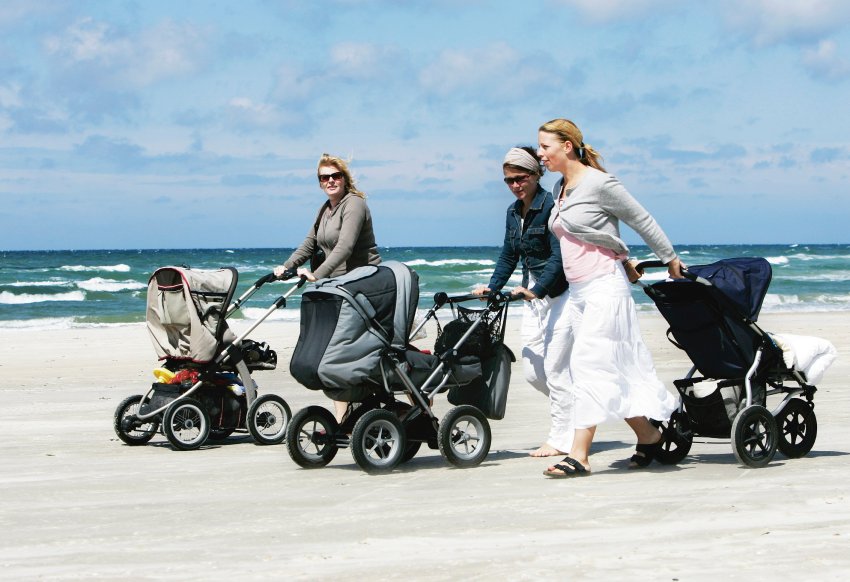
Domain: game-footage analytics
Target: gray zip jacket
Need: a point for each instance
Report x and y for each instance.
(346, 237)
(595, 208)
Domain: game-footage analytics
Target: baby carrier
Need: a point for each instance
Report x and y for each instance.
(204, 388)
(354, 346)
(712, 315)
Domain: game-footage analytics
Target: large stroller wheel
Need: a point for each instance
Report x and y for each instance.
(128, 427)
(310, 437)
(186, 424)
(798, 428)
(676, 439)
(464, 436)
(400, 409)
(754, 436)
(268, 417)
(378, 441)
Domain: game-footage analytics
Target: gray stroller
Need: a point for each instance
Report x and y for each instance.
(354, 344)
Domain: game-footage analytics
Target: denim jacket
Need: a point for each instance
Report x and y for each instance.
(531, 243)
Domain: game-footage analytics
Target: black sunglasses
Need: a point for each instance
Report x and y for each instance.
(517, 179)
(325, 178)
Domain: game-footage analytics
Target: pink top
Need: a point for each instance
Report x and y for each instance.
(582, 261)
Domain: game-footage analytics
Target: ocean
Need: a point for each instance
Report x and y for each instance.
(66, 289)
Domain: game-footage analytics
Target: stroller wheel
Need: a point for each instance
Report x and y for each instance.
(677, 439)
(378, 441)
(798, 428)
(129, 429)
(464, 436)
(754, 436)
(268, 417)
(186, 424)
(311, 437)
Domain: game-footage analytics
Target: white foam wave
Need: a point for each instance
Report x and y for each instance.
(45, 323)
(120, 268)
(56, 283)
(108, 285)
(826, 277)
(12, 299)
(254, 313)
(780, 260)
(445, 262)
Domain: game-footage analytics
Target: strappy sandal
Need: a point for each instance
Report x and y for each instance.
(645, 454)
(566, 469)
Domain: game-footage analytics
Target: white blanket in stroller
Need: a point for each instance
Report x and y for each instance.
(810, 355)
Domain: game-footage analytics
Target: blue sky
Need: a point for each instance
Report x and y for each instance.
(156, 124)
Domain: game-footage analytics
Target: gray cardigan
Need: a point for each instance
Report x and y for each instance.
(595, 207)
(346, 237)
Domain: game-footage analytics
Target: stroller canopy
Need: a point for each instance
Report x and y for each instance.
(743, 281)
(347, 321)
(185, 311)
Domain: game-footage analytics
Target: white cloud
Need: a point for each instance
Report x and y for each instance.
(824, 62)
(770, 22)
(113, 60)
(496, 72)
(617, 10)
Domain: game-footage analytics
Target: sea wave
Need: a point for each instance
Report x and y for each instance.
(446, 262)
(120, 268)
(12, 299)
(56, 283)
(44, 323)
(780, 260)
(109, 285)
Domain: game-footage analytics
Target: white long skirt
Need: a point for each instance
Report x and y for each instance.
(544, 359)
(610, 369)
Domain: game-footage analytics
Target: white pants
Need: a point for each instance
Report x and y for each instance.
(545, 362)
(610, 369)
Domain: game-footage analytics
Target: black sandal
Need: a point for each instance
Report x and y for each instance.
(645, 453)
(566, 469)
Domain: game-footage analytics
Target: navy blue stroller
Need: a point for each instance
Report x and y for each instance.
(712, 315)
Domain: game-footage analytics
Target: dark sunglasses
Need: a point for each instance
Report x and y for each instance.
(336, 177)
(517, 179)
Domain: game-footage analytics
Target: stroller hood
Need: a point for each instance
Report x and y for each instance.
(743, 281)
(347, 321)
(185, 311)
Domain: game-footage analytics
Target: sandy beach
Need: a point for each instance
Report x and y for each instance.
(78, 504)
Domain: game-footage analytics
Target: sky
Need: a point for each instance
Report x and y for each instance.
(198, 124)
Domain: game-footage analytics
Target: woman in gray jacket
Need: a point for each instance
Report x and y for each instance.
(342, 232)
(611, 372)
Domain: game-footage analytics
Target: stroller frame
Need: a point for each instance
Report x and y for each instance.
(174, 410)
(383, 431)
(756, 432)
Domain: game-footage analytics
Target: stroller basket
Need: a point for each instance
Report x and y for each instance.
(483, 341)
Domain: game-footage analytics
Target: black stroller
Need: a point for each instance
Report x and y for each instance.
(354, 345)
(204, 388)
(712, 315)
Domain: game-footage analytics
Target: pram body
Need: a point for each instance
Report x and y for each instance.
(354, 346)
(204, 388)
(712, 315)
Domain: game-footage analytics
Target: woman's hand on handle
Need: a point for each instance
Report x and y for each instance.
(525, 293)
(674, 268)
(307, 274)
(481, 290)
(631, 271)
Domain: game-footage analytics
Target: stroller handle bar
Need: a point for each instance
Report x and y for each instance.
(494, 298)
(642, 266)
(260, 282)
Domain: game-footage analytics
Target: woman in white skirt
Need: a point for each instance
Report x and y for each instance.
(529, 243)
(609, 369)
